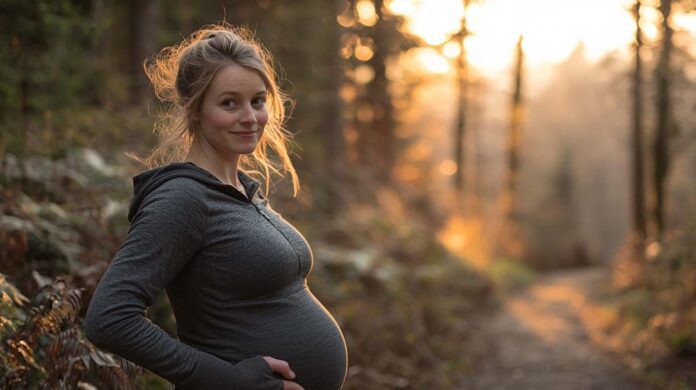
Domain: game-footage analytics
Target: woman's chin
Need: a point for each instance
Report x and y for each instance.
(248, 150)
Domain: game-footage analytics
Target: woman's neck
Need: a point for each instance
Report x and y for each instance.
(224, 169)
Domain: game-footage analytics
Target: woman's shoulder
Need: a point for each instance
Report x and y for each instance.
(177, 194)
(183, 184)
(181, 192)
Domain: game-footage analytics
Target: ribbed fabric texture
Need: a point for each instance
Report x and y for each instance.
(235, 272)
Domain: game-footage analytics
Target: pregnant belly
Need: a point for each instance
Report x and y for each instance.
(296, 328)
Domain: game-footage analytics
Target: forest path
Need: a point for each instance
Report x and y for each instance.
(549, 336)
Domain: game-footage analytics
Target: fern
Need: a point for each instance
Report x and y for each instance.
(43, 345)
(11, 302)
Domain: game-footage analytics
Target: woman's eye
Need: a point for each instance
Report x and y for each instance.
(259, 102)
(229, 103)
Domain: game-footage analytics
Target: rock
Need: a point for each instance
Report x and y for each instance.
(8, 223)
(39, 240)
(52, 211)
(42, 177)
(94, 160)
(11, 168)
(360, 261)
(111, 210)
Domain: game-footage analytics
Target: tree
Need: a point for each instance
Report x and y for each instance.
(377, 32)
(332, 116)
(664, 119)
(460, 130)
(142, 43)
(380, 132)
(510, 241)
(513, 141)
(639, 220)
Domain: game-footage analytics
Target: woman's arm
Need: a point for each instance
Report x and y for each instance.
(165, 234)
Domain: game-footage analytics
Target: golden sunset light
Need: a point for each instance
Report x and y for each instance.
(551, 28)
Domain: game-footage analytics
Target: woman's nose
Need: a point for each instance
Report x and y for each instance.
(248, 114)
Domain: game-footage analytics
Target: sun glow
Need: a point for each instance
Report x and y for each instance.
(431, 60)
(551, 28)
(434, 21)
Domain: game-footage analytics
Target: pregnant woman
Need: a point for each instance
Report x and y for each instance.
(234, 269)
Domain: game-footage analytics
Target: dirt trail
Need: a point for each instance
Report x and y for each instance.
(547, 338)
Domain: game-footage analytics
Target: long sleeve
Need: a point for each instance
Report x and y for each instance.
(165, 235)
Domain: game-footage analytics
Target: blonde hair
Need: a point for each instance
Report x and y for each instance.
(181, 74)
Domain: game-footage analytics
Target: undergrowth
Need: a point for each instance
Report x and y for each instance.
(42, 345)
(658, 311)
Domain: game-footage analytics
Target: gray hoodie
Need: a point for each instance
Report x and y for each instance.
(235, 273)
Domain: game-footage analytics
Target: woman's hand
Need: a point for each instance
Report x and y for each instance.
(283, 368)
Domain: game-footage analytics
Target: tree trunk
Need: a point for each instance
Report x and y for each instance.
(332, 117)
(378, 138)
(639, 220)
(460, 130)
(510, 242)
(477, 158)
(143, 27)
(513, 142)
(664, 120)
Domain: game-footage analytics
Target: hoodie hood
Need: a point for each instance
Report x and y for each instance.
(147, 181)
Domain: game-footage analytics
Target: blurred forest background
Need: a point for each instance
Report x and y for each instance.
(451, 154)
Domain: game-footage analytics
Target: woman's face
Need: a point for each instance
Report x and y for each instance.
(233, 113)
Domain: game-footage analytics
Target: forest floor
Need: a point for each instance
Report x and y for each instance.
(551, 336)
